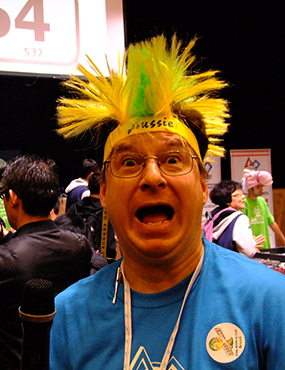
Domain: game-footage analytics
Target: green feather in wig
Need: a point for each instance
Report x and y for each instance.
(158, 79)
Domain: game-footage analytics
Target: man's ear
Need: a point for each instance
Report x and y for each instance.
(204, 188)
(102, 194)
(14, 198)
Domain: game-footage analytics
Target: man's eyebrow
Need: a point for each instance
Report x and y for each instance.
(176, 143)
(123, 148)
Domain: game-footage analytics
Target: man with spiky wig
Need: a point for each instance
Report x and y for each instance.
(174, 300)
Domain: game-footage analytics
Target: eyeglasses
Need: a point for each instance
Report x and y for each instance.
(238, 194)
(172, 163)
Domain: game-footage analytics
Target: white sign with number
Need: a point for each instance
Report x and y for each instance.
(52, 36)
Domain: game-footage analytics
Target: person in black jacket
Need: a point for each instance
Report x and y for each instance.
(38, 248)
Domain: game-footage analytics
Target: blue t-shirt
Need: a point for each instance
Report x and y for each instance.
(234, 318)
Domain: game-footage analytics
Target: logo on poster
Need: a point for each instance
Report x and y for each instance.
(255, 164)
(208, 166)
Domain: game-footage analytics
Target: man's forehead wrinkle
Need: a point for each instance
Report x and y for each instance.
(169, 141)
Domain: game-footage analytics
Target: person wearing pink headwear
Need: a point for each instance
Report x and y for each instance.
(256, 207)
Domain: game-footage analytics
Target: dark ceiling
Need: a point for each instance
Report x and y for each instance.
(243, 40)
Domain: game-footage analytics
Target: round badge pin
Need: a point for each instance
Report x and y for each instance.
(225, 342)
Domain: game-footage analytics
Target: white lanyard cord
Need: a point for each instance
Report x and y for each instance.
(128, 319)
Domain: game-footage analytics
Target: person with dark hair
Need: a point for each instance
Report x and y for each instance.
(91, 210)
(78, 188)
(38, 248)
(231, 228)
(174, 300)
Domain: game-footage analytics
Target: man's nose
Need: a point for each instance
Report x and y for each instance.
(151, 175)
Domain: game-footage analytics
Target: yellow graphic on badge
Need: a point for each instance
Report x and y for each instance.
(216, 343)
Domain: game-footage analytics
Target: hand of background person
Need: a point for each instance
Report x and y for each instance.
(259, 240)
(3, 231)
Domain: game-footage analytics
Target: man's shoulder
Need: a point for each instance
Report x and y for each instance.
(75, 183)
(75, 242)
(77, 191)
(262, 200)
(255, 201)
(242, 269)
(86, 205)
(45, 233)
(99, 284)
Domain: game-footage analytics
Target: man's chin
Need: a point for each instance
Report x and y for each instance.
(159, 246)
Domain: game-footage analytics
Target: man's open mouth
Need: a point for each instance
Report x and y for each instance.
(155, 215)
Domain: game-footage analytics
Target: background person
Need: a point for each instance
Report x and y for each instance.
(86, 216)
(256, 207)
(231, 229)
(38, 248)
(174, 299)
(90, 208)
(79, 186)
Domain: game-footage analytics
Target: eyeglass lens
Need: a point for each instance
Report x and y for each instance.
(171, 163)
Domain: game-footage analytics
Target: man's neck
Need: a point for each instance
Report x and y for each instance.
(160, 277)
(27, 219)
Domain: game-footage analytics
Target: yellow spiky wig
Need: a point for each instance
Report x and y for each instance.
(158, 93)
